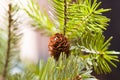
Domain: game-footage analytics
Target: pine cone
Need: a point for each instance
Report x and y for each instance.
(58, 43)
(78, 77)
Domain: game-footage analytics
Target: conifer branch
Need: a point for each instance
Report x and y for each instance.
(83, 20)
(65, 16)
(9, 42)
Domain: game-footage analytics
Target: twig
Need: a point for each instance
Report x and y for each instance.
(9, 42)
(65, 16)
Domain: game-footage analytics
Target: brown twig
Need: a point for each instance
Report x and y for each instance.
(65, 16)
(9, 42)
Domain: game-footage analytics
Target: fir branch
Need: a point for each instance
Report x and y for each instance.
(96, 49)
(40, 19)
(9, 42)
(84, 15)
(65, 16)
(75, 20)
(63, 69)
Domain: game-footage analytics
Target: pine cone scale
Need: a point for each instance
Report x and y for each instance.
(58, 43)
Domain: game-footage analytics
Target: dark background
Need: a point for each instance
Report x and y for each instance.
(112, 30)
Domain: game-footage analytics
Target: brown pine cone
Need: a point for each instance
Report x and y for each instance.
(78, 77)
(58, 43)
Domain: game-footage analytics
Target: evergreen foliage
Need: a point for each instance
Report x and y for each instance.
(63, 69)
(9, 36)
(81, 16)
(42, 21)
(97, 51)
(81, 21)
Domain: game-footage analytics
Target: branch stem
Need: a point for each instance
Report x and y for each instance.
(8, 42)
(65, 16)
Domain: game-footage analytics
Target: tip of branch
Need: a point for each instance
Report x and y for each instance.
(9, 5)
